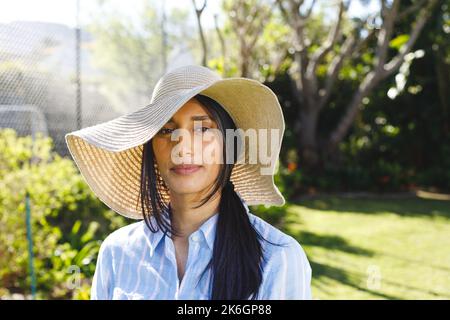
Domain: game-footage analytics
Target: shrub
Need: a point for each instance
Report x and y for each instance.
(68, 221)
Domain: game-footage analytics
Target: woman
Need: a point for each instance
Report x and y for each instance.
(173, 165)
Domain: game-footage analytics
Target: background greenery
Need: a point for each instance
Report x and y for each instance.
(68, 221)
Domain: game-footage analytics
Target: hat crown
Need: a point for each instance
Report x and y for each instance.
(181, 79)
(109, 155)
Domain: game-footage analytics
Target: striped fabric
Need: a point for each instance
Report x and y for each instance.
(135, 263)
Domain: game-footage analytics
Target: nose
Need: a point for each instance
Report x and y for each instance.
(183, 149)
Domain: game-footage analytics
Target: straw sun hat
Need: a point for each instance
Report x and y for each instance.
(109, 154)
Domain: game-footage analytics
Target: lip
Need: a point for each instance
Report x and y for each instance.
(185, 169)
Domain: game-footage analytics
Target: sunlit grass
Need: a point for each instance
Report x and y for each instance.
(375, 249)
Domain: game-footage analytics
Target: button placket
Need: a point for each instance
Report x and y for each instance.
(170, 249)
(195, 237)
(194, 245)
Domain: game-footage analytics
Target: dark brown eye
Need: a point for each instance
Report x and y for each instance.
(203, 129)
(165, 131)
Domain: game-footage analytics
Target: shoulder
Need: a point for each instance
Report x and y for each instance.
(286, 249)
(287, 272)
(269, 231)
(126, 235)
(124, 239)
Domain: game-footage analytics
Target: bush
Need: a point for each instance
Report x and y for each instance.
(67, 220)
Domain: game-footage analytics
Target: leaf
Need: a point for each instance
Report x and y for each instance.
(399, 41)
(90, 233)
(76, 227)
(88, 251)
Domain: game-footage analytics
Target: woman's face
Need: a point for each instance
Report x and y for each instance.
(191, 163)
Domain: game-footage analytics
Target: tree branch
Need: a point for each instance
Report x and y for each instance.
(373, 77)
(198, 13)
(308, 12)
(325, 48)
(364, 41)
(395, 62)
(385, 34)
(222, 44)
(419, 4)
(334, 68)
(295, 20)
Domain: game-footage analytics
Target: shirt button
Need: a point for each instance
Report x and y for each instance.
(195, 238)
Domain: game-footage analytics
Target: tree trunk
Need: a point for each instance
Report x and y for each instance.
(369, 82)
(309, 151)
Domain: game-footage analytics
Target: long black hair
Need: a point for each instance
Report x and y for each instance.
(238, 254)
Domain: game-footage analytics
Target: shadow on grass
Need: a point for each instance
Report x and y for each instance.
(278, 218)
(415, 261)
(335, 243)
(322, 272)
(409, 207)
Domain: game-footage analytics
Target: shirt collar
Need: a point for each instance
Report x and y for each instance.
(155, 237)
(207, 229)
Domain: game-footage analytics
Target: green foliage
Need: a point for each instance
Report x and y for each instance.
(273, 214)
(396, 143)
(67, 219)
(128, 50)
(399, 41)
(437, 175)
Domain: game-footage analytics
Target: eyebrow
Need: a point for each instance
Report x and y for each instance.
(195, 118)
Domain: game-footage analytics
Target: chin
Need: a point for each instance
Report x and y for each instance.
(187, 190)
(186, 187)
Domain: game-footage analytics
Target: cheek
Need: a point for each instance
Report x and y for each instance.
(212, 170)
(206, 180)
(212, 160)
(161, 150)
(213, 152)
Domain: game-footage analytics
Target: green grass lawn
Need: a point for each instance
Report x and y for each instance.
(375, 249)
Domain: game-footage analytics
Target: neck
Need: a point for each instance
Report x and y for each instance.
(186, 219)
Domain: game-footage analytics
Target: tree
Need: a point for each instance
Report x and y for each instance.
(198, 14)
(313, 94)
(251, 39)
(248, 19)
(131, 52)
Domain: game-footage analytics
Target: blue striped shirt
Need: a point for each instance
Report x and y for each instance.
(135, 263)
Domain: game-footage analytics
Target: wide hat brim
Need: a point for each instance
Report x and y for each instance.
(109, 154)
